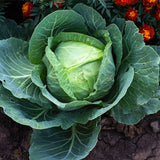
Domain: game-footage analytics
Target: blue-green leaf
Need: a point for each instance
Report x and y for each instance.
(92, 18)
(132, 114)
(15, 71)
(145, 62)
(26, 113)
(57, 144)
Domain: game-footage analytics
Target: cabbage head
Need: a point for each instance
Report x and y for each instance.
(74, 69)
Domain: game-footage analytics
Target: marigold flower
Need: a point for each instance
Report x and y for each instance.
(132, 2)
(56, 4)
(121, 2)
(147, 9)
(157, 15)
(131, 14)
(125, 2)
(147, 32)
(149, 3)
(158, 5)
(26, 9)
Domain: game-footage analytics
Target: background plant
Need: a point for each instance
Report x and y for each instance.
(147, 12)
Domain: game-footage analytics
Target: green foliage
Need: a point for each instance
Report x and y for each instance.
(75, 141)
(3, 5)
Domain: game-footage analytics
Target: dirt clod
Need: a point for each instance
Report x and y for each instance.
(155, 126)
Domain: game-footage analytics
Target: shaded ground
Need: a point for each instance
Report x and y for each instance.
(121, 142)
(116, 141)
(14, 139)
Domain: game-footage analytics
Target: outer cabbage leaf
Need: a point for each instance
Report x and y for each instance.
(134, 113)
(145, 62)
(73, 143)
(157, 49)
(153, 105)
(15, 71)
(120, 22)
(51, 25)
(93, 19)
(26, 113)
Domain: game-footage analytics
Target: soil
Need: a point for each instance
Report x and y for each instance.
(116, 141)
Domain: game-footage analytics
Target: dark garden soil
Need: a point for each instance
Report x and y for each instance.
(116, 141)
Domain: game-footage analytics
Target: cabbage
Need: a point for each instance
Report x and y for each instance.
(78, 68)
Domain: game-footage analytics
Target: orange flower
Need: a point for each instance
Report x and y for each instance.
(121, 2)
(147, 9)
(56, 4)
(26, 9)
(125, 2)
(158, 5)
(149, 3)
(131, 14)
(132, 2)
(147, 32)
(157, 15)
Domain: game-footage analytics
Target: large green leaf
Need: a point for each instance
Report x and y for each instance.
(9, 28)
(15, 71)
(120, 22)
(145, 62)
(51, 25)
(131, 114)
(24, 112)
(134, 113)
(92, 18)
(57, 144)
(157, 49)
(153, 106)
